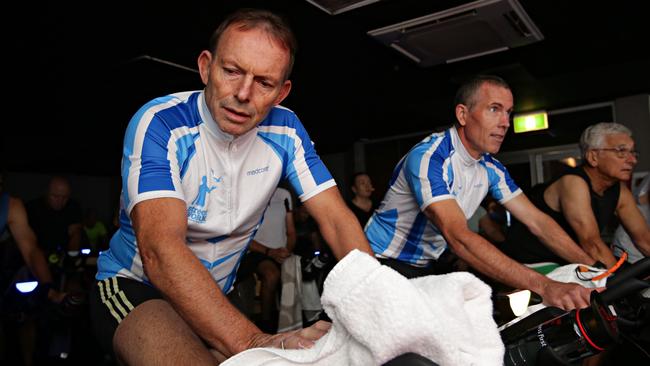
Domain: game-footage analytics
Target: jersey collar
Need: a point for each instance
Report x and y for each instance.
(210, 123)
(462, 152)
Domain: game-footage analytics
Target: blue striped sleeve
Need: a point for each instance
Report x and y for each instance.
(147, 164)
(303, 167)
(156, 170)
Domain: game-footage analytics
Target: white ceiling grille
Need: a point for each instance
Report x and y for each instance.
(334, 7)
(470, 30)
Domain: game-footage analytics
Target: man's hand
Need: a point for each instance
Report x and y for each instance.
(566, 296)
(279, 254)
(297, 339)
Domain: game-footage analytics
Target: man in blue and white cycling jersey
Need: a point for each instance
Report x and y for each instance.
(439, 184)
(198, 170)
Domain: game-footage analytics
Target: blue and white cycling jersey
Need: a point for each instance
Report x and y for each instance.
(173, 148)
(437, 168)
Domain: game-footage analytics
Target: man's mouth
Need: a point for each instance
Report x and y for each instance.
(498, 137)
(236, 115)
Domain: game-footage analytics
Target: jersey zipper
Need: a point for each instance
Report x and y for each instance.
(229, 204)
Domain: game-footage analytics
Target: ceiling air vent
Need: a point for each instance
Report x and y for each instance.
(334, 7)
(470, 30)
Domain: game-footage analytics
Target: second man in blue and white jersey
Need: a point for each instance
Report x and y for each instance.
(439, 184)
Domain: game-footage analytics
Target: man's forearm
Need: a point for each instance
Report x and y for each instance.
(644, 248)
(490, 261)
(35, 261)
(487, 259)
(336, 223)
(600, 252)
(256, 246)
(643, 243)
(188, 286)
(291, 242)
(344, 234)
(552, 235)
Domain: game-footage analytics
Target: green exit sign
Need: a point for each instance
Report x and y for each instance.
(530, 122)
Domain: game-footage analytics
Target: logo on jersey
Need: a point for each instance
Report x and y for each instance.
(258, 171)
(196, 212)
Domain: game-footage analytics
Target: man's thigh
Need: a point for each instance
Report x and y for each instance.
(154, 334)
(111, 300)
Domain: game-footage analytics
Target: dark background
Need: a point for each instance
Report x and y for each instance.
(74, 74)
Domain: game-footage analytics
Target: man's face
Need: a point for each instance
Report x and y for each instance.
(58, 195)
(614, 159)
(245, 78)
(484, 125)
(362, 186)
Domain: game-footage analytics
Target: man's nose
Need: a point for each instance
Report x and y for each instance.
(505, 120)
(244, 89)
(631, 157)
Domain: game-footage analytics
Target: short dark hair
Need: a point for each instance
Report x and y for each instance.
(275, 25)
(354, 176)
(466, 93)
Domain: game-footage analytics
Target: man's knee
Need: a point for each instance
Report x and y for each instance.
(269, 272)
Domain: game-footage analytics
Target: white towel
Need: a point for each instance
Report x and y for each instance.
(378, 315)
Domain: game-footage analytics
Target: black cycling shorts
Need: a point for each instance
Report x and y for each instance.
(111, 300)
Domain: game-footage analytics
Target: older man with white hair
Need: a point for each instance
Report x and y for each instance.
(585, 199)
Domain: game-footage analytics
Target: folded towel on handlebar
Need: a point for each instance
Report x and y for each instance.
(581, 274)
(377, 315)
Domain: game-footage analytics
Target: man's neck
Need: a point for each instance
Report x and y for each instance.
(364, 203)
(474, 154)
(599, 182)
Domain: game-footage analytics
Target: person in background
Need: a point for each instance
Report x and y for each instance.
(55, 218)
(95, 231)
(486, 221)
(622, 240)
(362, 204)
(585, 199)
(308, 238)
(14, 225)
(273, 243)
(439, 184)
(17, 236)
(114, 224)
(473, 221)
(493, 225)
(198, 170)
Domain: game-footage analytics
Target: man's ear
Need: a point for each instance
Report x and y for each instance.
(592, 158)
(204, 61)
(461, 114)
(284, 91)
